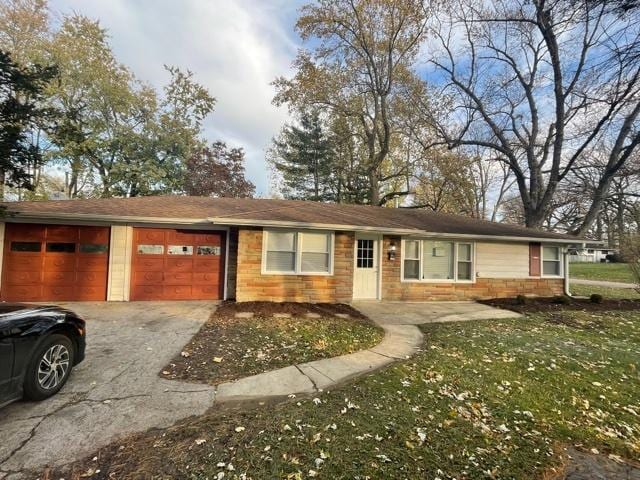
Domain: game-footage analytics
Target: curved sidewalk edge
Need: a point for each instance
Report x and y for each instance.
(400, 342)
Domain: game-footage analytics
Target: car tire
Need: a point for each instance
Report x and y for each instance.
(49, 367)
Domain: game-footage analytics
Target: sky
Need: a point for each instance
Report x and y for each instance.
(235, 48)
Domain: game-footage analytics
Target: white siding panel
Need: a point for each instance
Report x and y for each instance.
(502, 260)
(120, 263)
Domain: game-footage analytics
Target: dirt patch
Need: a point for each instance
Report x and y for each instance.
(276, 335)
(589, 466)
(545, 304)
(229, 309)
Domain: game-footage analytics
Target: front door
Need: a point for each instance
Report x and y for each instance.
(365, 275)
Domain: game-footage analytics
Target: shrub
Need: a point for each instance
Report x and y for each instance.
(562, 300)
(630, 247)
(615, 258)
(596, 298)
(521, 300)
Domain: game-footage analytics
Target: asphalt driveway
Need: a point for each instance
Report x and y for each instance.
(114, 392)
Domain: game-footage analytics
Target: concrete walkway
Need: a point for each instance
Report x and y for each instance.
(601, 283)
(402, 339)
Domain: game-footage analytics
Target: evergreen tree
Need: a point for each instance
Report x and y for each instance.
(21, 110)
(303, 156)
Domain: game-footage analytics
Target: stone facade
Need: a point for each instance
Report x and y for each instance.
(393, 289)
(251, 285)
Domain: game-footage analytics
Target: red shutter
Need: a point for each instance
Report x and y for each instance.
(534, 259)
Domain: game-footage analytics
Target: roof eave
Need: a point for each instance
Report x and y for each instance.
(392, 231)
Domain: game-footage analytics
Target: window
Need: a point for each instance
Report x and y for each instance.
(412, 259)
(151, 249)
(465, 264)
(551, 261)
(437, 260)
(297, 252)
(364, 257)
(180, 250)
(25, 246)
(207, 250)
(61, 247)
(315, 252)
(93, 248)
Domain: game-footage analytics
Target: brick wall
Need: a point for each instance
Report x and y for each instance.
(394, 289)
(251, 285)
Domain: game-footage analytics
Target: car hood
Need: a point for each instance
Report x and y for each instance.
(13, 311)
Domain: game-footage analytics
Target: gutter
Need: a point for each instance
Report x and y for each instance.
(392, 231)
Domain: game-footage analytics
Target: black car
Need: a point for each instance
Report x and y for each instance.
(39, 345)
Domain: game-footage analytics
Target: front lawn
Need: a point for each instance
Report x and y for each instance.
(610, 272)
(230, 346)
(617, 293)
(484, 399)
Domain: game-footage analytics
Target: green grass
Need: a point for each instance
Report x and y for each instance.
(484, 399)
(613, 293)
(610, 272)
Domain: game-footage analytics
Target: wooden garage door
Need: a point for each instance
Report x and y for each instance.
(50, 263)
(171, 264)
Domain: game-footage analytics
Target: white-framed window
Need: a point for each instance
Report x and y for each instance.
(437, 260)
(288, 252)
(551, 261)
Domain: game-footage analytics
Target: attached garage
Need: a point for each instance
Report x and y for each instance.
(175, 264)
(50, 263)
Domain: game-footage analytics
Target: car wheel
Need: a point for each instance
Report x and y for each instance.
(49, 367)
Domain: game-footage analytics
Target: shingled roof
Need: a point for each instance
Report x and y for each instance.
(263, 212)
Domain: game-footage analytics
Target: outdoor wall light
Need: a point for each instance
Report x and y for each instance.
(392, 252)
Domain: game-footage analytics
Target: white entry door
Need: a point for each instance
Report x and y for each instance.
(367, 264)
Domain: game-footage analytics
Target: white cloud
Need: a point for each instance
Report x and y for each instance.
(235, 48)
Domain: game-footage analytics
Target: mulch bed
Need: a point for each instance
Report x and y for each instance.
(277, 335)
(229, 309)
(545, 304)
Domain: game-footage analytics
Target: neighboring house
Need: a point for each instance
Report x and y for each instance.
(179, 248)
(590, 253)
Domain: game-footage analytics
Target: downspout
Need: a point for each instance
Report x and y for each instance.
(565, 252)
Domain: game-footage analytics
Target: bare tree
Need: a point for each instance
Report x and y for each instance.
(541, 84)
(361, 60)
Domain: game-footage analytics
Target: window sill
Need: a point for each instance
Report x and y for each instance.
(298, 274)
(436, 281)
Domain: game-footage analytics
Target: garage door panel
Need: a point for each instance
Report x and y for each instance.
(180, 236)
(208, 265)
(147, 263)
(206, 277)
(146, 292)
(148, 278)
(178, 278)
(207, 292)
(208, 239)
(24, 278)
(58, 293)
(25, 232)
(179, 265)
(46, 264)
(177, 292)
(56, 277)
(21, 293)
(92, 263)
(94, 235)
(149, 235)
(65, 233)
(58, 263)
(20, 262)
(92, 278)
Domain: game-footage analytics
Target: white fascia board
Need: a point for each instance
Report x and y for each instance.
(391, 231)
(110, 219)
